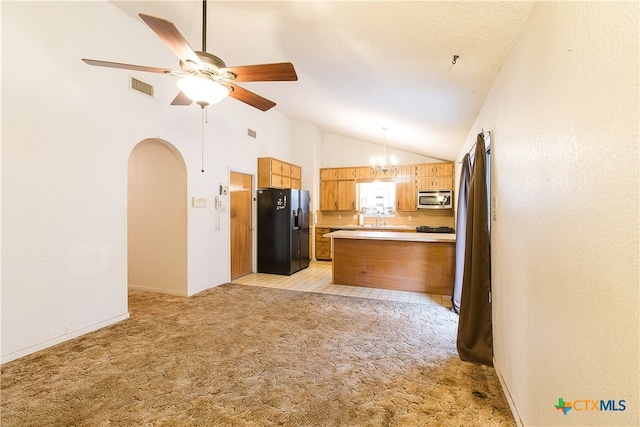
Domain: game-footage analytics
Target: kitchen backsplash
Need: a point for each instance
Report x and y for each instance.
(431, 218)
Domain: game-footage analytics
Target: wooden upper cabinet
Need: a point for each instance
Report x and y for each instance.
(328, 174)
(364, 173)
(277, 166)
(347, 195)
(329, 195)
(435, 176)
(338, 189)
(346, 173)
(296, 177)
(274, 173)
(407, 171)
(435, 183)
(435, 169)
(338, 185)
(338, 174)
(296, 172)
(406, 192)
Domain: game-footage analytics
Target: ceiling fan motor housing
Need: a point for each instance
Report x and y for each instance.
(212, 66)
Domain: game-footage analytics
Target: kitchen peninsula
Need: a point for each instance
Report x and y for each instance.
(418, 262)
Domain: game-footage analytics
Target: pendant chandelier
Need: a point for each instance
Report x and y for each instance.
(382, 163)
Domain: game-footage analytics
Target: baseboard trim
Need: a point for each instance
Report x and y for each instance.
(156, 290)
(60, 339)
(507, 393)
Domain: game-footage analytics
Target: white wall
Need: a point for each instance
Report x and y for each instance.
(564, 119)
(341, 151)
(305, 140)
(67, 132)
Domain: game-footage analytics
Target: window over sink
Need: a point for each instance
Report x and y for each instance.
(376, 198)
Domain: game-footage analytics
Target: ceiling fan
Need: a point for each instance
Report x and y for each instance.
(205, 78)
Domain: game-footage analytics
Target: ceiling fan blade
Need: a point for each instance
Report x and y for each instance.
(279, 72)
(99, 63)
(181, 99)
(170, 35)
(250, 98)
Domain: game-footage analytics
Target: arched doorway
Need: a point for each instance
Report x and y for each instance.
(157, 218)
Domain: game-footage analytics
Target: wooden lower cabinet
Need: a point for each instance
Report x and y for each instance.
(323, 244)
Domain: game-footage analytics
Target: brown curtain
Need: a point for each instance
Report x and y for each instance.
(461, 226)
(475, 338)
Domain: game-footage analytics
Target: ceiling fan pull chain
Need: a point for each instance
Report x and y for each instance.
(202, 121)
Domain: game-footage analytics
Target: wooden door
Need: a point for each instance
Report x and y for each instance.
(241, 225)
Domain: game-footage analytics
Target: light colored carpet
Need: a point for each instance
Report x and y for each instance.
(240, 355)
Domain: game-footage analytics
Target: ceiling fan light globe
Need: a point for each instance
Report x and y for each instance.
(202, 90)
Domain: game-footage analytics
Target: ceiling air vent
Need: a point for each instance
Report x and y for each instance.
(141, 86)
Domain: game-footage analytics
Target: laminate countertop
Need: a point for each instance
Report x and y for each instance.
(369, 227)
(391, 235)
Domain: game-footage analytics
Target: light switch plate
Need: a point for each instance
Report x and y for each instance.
(494, 209)
(199, 202)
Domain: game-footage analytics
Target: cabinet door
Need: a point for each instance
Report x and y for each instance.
(276, 181)
(347, 195)
(407, 171)
(346, 173)
(328, 174)
(286, 182)
(329, 195)
(444, 169)
(435, 169)
(323, 244)
(435, 183)
(406, 194)
(296, 177)
(426, 183)
(363, 172)
(296, 172)
(276, 166)
(264, 172)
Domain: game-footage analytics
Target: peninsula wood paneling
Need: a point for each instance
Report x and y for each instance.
(427, 267)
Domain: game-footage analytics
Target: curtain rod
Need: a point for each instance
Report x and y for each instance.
(482, 132)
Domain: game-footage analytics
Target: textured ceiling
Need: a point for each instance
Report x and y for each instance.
(363, 65)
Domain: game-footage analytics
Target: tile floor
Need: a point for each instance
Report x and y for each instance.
(317, 278)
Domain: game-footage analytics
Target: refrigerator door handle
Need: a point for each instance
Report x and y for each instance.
(296, 219)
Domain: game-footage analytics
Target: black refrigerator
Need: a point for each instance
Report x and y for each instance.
(283, 230)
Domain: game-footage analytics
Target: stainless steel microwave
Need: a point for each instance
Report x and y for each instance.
(435, 199)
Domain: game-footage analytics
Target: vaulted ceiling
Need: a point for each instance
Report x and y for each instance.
(362, 65)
